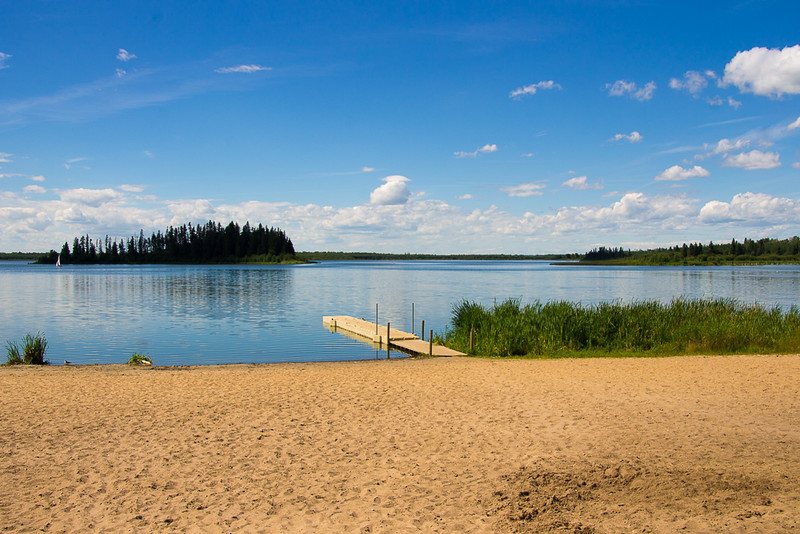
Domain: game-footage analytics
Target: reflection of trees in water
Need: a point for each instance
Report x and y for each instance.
(236, 294)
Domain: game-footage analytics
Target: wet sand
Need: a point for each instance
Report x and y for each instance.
(429, 445)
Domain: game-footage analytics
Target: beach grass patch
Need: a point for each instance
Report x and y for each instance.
(140, 359)
(30, 352)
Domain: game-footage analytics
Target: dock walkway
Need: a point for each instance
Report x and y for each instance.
(396, 338)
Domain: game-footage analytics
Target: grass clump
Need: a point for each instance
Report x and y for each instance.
(140, 359)
(30, 352)
(684, 326)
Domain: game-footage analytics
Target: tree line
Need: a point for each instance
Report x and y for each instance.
(207, 243)
(766, 250)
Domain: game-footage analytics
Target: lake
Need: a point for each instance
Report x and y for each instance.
(190, 315)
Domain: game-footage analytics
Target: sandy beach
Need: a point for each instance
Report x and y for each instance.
(428, 445)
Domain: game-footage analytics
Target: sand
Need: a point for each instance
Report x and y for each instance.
(428, 445)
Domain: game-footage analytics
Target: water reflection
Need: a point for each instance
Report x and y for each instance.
(218, 314)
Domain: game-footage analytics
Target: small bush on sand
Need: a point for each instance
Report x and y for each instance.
(30, 352)
(140, 359)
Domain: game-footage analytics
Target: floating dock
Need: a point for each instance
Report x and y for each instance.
(383, 335)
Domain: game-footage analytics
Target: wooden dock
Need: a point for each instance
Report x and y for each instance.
(395, 338)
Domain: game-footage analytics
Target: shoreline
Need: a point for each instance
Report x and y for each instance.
(423, 444)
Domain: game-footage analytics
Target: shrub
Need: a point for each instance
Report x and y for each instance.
(32, 351)
(140, 359)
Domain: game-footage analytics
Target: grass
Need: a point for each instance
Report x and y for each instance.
(645, 328)
(30, 352)
(140, 359)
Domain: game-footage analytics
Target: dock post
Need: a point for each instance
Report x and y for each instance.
(412, 317)
(471, 339)
(430, 342)
(422, 330)
(388, 338)
(376, 318)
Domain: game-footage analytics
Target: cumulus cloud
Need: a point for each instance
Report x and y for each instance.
(726, 145)
(524, 190)
(124, 55)
(532, 88)
(581, 183)
(34, 189)
(4, 60)
(90, 197)
(485, 149)
(394, 191)
(765, 71)
(755, 159)
(677, 173)
(241, 68)
(628, 88)
(121, 73)
(367, 169)
(693, 81)
(751, 207)
(633, 137)
(37, 178)
(794, 125)
(465, 196)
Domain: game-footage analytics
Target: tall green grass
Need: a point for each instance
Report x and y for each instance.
(31, 352)
(684, 326)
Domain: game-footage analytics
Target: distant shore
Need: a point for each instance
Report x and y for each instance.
(443, 444)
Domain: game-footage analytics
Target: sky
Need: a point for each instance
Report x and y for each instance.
(451, 127)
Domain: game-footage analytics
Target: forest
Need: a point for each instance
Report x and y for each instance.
(749, 251)
(207, 243)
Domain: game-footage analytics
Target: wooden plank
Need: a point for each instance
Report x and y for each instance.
(399, 339)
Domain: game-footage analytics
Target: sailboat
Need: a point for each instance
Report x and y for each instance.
(58, 261)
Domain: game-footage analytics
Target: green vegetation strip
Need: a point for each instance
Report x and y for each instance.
(646, 328)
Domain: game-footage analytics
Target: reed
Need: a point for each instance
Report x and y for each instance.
(31, 352)
(683, 326)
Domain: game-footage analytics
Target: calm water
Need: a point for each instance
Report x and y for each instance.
(181, 315)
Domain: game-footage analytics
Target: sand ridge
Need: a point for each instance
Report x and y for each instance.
(428, 445)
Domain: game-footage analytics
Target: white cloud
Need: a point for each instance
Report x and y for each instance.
(527, 155)
(627, 88)
(241, 68)
(90, 197)
(531, 89)
(764, 71)
(633, 137)
(120, 73)
(796, 165)
(485, 149)
(751, 207)
(524, 190)
(581, 183)
(131, 188)
(694, 82)
(4, 157)
(124, 55)
(34, 189)
(3, 60)
(466, 196)
(37, 178)
(725, 145)
(677, 173)
(367, 169)
(794, 125)
(755, 159)
(394, 191)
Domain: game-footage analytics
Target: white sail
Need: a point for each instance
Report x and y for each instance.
(58, 261)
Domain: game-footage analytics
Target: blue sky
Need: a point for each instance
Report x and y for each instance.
(437, 127)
